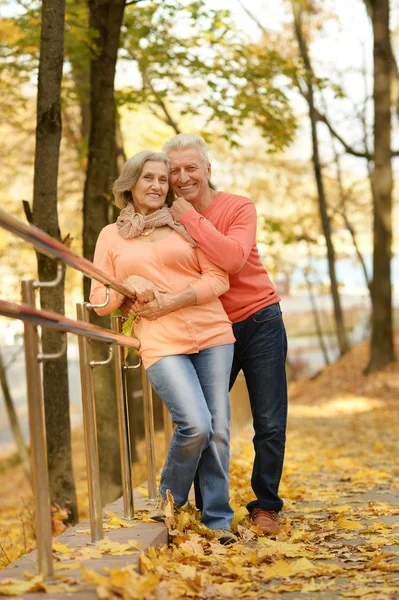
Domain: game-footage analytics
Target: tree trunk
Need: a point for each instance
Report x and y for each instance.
(381, 347)
(315, 312)
(106, 19)
(14, 423)
(48, 138)
(394, 70)
(325, 221)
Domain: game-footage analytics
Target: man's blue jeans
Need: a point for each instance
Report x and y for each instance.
(260, 351)
(195, 388)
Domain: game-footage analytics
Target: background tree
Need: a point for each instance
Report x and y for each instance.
(379, 164)
(106, 18)
(381, 347)
(309, 94)
(45, 216)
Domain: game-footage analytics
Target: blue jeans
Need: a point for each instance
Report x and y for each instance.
(195, 388)
(260, 351)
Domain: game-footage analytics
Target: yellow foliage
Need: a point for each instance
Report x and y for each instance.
(239, 516)
(91, 576)
(116, 522)
(345, 523)
(339, 487)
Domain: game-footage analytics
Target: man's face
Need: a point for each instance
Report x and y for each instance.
(189, 174)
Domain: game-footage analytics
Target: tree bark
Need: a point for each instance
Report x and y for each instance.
(381, 346)
(394, 70)
(106, 18)
(325, 221)
(45, 216)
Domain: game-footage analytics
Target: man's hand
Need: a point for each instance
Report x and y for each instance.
(179, 207)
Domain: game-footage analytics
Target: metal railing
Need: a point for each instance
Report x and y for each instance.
(32, 318)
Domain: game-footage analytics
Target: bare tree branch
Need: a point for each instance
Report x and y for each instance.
(253, 17)
(319, 116)
(27, 211)
(323, 118)
(298, 13)
(168, 117)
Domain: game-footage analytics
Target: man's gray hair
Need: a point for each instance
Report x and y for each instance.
(130, 175)
(182, 141)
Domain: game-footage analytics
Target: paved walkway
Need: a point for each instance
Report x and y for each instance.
(86, 554)
(340, 533)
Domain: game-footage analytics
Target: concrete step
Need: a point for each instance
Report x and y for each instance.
(146, 534)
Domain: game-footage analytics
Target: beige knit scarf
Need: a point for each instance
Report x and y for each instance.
(131, 224)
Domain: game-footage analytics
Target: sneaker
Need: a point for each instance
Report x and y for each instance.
(225, 537)
(158, 512)
(266, 520)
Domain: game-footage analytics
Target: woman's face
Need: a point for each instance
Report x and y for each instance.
(150, 191)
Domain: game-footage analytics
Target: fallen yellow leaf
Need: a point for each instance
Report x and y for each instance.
(344, 523)
(239, 515)
(91, 576)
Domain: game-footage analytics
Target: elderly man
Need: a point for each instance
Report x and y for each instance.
(224, 226)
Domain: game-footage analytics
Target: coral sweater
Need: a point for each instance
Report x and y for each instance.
(232, 246)
(172, 264)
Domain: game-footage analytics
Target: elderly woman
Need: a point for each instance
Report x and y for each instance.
(188, 350)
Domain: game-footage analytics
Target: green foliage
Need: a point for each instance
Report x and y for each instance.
(128, 326)
(195, 58)
(18, 45)
(178, 53)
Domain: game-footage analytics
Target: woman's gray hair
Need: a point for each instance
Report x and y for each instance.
(130, 175)
(187, 140)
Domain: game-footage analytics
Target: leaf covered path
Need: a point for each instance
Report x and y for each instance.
(340, 534)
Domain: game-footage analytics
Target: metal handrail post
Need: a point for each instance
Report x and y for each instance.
(167, 427)
(149, 434)
(38, 443)
(90, 429)
(123, 424)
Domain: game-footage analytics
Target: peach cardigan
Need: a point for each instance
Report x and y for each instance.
(172, 264)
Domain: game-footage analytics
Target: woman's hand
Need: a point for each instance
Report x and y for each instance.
(170, 303)
(159, 307)
(144, 289)
(127, 308)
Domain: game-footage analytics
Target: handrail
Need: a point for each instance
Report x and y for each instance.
(46, 318)
(51, 247)
(82, 327)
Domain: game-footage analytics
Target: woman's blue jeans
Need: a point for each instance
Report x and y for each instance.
(195, 388)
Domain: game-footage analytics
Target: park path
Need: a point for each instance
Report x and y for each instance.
(340, 523)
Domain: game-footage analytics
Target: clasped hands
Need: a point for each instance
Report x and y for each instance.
(150, 303)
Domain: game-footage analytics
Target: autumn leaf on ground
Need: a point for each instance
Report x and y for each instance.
(116, 521)
(338, 535)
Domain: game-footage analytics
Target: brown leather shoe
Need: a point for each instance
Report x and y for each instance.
(266, 520)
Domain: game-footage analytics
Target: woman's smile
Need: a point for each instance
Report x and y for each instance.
(150, 191)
